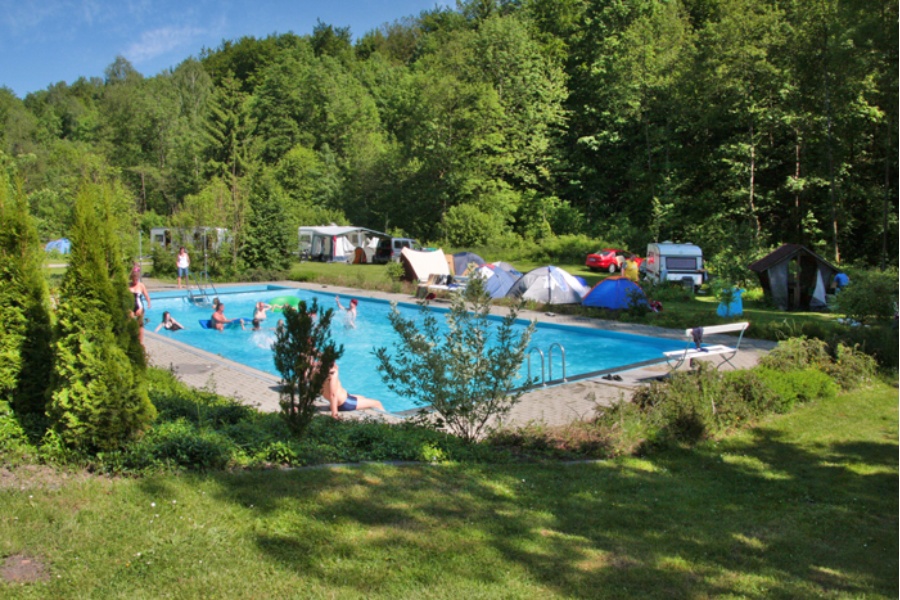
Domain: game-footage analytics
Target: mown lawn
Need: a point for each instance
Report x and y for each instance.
(803, 505)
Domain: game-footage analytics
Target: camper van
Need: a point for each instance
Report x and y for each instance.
(668, 261)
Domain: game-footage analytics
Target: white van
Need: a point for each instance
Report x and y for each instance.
(668, 261)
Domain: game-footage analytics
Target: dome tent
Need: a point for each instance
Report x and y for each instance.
(462, 260)
(614, 293)
(497, 282)
(550, 285)
(62, 245)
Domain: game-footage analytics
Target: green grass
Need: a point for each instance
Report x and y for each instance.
(803, 505)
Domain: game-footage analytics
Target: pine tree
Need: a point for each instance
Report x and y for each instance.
(266, 239)
(24, 307)
(99, 398)
(304, 355)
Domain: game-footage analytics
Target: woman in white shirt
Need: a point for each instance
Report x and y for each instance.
(184, 261)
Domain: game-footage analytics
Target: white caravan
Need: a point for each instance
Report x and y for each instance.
(668, 261)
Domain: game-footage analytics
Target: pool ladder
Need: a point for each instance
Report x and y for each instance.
(547, 374)
(200, 297)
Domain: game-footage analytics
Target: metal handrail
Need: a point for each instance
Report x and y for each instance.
(539, 351)
(562, 351)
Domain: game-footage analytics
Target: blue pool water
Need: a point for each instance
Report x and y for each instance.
(587, 350)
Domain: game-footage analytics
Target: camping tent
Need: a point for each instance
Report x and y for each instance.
(794, 277)
(506, 267)
(62, 245)
(497, 282)
(462, 260)
(419, 266)
(550, 285)
(615, 293)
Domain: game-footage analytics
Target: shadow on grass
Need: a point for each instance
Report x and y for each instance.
(762, 517)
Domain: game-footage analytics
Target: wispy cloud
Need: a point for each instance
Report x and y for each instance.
(160, 41)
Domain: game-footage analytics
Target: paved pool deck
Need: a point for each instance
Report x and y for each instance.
(551, 405)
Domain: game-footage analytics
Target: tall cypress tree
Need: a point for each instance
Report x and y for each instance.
(99, 398)
(25, 330)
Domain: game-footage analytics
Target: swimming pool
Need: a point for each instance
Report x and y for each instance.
(587, 350)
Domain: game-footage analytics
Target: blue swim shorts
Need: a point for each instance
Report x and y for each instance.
(349, 404)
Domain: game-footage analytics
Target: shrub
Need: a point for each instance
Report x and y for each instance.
(871, 296)
(164, 261)
(304, 355)
(12, 436)
(393, 271)
(791, 387)
(467, 373)
(25, 328)
(797, 353)
(181, 444)
(878, 340)
(852, 367)
(99, 399)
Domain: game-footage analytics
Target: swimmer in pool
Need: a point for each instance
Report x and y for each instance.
(340, 401)
(169, 323)
(350, 311)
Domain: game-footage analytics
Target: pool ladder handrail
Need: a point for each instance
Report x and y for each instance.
(548, 364)
(201, 296)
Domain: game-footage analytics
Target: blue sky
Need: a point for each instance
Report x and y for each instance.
(43, 42)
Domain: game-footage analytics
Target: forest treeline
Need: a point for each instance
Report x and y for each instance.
(735, 124)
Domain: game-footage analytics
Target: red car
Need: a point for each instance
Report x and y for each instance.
(610, 259)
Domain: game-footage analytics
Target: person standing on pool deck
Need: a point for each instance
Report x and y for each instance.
(137, 289)
(350, 310)
(218, 320)
(184, 262)
(338, 398)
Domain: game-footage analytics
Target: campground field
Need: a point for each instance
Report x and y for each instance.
(802, 505)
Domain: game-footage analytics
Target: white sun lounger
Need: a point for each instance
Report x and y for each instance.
(676, 358)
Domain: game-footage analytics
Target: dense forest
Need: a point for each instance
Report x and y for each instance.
(735, 124)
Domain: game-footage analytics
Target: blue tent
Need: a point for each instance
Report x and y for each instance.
(462, 260)
(62, 245)
(497, 282)
(614, 293)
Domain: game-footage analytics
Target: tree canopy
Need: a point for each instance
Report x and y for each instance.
(735, 124)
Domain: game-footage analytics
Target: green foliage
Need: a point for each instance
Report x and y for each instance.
(267, 239)
(24, 306)
(696, 405)
(466, 226)
(393, 271)
(871, 296)
(165, 263)
(801, 386)
(12, 436)
(563, 249)
(99, 399)
(181, 444)
(797, 353)
(852, 368)
(304, 355)
(465, 375)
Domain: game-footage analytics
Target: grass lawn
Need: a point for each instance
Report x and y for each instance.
(802, 505)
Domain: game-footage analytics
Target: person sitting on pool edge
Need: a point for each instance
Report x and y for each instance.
(218, 320)
(341, 401)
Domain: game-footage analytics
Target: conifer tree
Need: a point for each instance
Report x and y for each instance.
(25, 356)
(99, 398)
(266, 238)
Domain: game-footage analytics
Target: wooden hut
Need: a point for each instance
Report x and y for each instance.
(795, 278)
